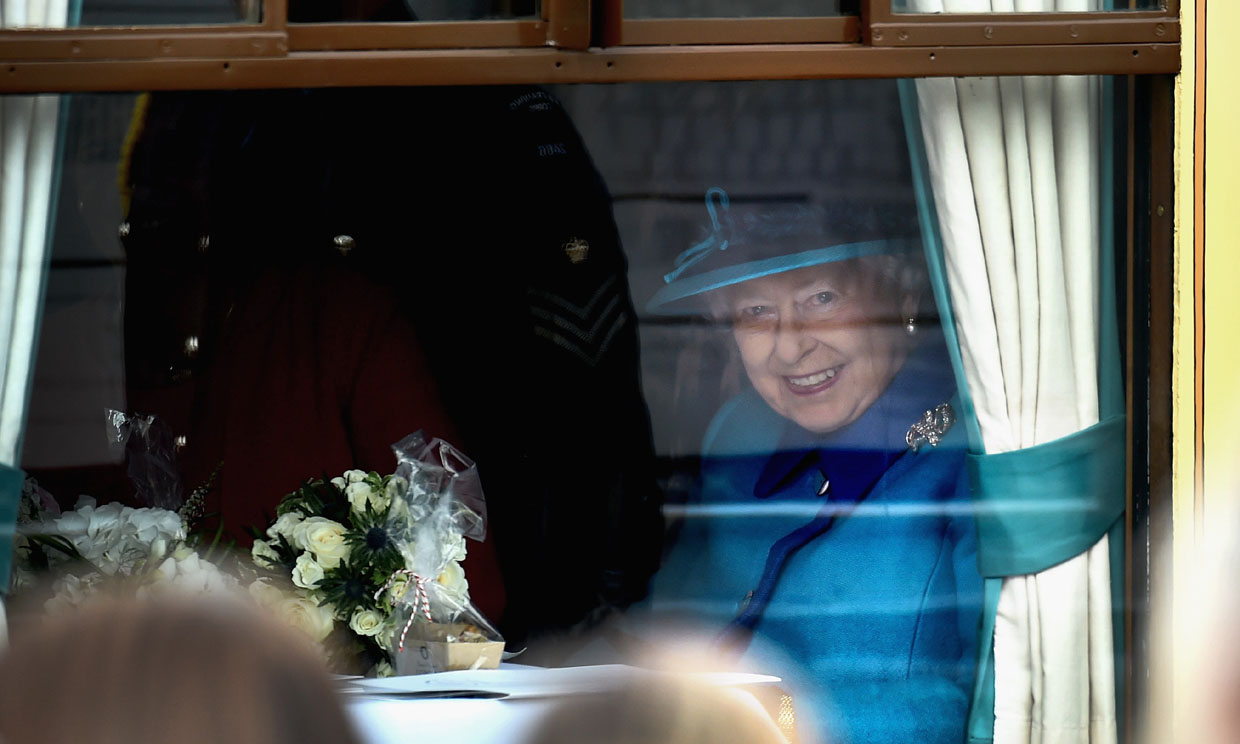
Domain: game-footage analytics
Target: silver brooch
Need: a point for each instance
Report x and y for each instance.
(931, 427)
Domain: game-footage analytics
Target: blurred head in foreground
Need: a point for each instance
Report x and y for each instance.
(660, 710)
(1210, 608)
(166, 671)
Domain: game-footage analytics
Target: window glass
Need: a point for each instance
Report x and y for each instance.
(335, 11)
(719, 393)
(1021, 6)
(717, 9)
(141, 13)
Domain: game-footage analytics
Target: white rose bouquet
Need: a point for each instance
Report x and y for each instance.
(332, 539)
(363, 552)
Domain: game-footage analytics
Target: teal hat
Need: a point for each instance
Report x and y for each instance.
(758, 240)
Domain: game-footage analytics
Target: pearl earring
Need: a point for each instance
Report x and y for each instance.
(910, 326)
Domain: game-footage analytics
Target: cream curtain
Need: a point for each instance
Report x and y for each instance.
(28, 131)
(1014, 168)
(28, 126)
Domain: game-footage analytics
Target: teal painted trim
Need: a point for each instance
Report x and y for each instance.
(75, 13)
(981, 724)
(11, 480)
(932, 239)
(1042, 505)
(1110, 376)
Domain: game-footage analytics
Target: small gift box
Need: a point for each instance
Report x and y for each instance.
(441, 629)
(447, 647)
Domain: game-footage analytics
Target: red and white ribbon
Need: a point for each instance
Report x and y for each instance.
(420, 600)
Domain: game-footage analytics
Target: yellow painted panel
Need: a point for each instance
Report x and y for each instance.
(1222, 267)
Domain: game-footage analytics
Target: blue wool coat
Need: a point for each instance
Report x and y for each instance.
(878, 615)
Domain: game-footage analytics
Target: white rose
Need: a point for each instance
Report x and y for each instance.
(264, 555)
(307, 573)
(398, 588)
(383, 669)
(182, 552)
(366, 622)
(359, 494)
(453, 579)
(286, 527)
(265, 593)
(159, 548)
(454, 547)
(307, 616)
(325, 539)
(355, 476)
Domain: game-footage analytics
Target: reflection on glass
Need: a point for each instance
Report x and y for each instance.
(733, 9)
(377, 11)
(161, 13)
(711, 294)
(1020, 6)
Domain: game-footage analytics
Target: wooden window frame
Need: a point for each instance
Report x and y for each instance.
(586, 41)
(884, 27)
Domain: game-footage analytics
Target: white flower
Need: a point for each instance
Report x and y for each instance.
(71, 591)
(454, 547)
(265, 593)
(166, 571)
(264, 555)
(366, 622)
(286, 527)
(116, 539)
(307, 573)
(324, 538)
(361, 493)
(189, 575)
(453, 580)
(355, 476)
(397, 589)
(395, 487)
(339, 483)
(383, 669)
(307, 616)
(159, 548)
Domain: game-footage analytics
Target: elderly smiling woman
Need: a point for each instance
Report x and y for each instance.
(831, 522)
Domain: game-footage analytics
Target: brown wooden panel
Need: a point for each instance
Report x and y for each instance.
(419, 35)
(1079, 28)
(275, 14)
(533, 66)
(1161, 219)
(568, 23)
(740, 31)
(140, 43)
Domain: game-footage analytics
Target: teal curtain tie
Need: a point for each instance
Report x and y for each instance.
(1040, 506)
(11, 480)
